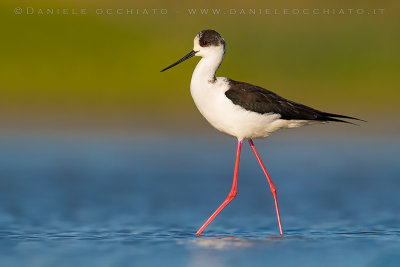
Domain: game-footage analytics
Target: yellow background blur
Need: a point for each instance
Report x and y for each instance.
(104, 70)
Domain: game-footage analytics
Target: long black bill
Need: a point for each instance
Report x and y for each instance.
(191, 54)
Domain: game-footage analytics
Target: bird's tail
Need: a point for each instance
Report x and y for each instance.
(334, 117)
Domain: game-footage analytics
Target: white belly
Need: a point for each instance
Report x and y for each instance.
(232, 119)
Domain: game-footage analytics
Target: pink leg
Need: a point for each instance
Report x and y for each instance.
(271, 184)
(231, 195)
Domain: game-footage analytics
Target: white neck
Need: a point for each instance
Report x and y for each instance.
(207, 67)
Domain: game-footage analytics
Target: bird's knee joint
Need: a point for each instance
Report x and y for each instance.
(232, 195)
(273, 190)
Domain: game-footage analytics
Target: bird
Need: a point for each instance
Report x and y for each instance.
(243, 110)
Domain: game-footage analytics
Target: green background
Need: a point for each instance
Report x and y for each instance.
(85, 71)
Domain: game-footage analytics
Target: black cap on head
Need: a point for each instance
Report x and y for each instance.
(210, 38)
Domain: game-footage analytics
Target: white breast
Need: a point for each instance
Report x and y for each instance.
(232, 119)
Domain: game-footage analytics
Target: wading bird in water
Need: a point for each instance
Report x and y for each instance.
(240, 109)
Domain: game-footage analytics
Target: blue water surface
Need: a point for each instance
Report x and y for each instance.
(113, 201)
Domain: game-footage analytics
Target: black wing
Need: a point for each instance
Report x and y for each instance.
(260, 100)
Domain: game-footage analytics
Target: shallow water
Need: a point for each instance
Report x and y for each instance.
(119, 201)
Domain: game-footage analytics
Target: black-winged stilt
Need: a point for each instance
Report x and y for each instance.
(242, 110)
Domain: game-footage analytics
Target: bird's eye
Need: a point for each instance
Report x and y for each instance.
(204, 43)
